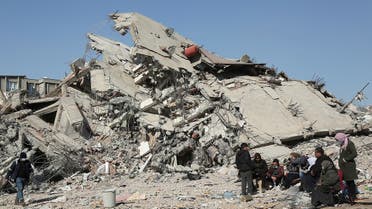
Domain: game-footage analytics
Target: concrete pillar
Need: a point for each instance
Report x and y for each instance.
(6, 83)
(19, 83)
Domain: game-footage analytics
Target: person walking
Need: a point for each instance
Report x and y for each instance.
(244, 164)
(347, 164)
(20, 172)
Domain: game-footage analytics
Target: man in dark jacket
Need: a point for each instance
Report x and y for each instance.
(20, 172)
(347, 164)
(328, 183)
(317, 167)
(309, 179)
(244, 164)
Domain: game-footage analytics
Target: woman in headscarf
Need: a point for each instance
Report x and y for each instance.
(347, 164)
(259, 171)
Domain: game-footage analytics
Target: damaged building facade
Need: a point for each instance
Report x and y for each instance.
(166, 104)
(33, 87)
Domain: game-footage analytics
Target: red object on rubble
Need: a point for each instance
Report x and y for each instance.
(191, 51)
(341, 176)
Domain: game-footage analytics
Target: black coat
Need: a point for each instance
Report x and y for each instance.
(243, 160)
(21, 169)
(260, 167)
(316, 169)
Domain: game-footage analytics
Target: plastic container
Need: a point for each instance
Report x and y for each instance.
(109, 198)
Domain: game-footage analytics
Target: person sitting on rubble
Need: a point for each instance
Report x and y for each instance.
(307, 180)
(292, 175)
(244, 164)
(328, 184)
(259, 172)
(20, 172)
(275, 174)
(347, 164)
(317, 167)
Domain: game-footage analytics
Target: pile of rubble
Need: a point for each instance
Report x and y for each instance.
(166, 104)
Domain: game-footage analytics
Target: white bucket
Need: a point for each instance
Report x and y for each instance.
(109, 198)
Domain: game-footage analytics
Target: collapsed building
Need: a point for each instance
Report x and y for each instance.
(164, 103)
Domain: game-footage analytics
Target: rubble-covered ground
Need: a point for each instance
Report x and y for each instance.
(215, 189)
(145, 118)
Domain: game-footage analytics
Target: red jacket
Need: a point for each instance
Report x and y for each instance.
(277, 172)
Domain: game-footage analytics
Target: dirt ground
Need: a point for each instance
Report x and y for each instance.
(215, 190)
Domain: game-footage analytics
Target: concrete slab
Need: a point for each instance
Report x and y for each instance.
(72, 111)
(97, 80)
(261, 111)
(156, 121)
(313, 108)
(272, 151)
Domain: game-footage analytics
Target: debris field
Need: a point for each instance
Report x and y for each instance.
(167, 106)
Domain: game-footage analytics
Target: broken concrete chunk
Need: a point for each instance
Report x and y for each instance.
(3, 98)
(156, 121)
(18, 115)
(140, 78)
(143, 167)
(137, 68)
(77, 65)
(113, 52)
(117, 121)
(203, 108)
(119, 100)
(147, 104)
(144, 148)
(98, 80)
(271, 92)
(207, 91)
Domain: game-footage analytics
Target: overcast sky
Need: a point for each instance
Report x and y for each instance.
(329, 39)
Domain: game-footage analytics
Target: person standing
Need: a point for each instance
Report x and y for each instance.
(20, 172)
(244, 165)
(347, 164)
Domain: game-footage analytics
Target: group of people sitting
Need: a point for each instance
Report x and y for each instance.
(265, 177)
(317, 175)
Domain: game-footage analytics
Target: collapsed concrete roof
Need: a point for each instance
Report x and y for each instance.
(288, 111)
